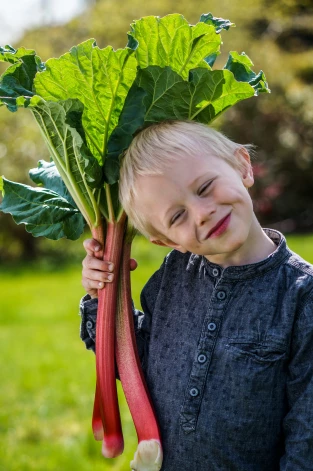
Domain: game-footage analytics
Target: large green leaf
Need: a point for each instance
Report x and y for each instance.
(9, 54)
(218, 23)
(44, 212)
(204, 97)
(131, 119)
(171, 41)
(46, 174)
(240, 65)
(18, 79)
(99, 78)
(90, 102)
(79, 170)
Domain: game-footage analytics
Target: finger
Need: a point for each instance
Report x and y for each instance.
(94, 263)
(133, 264)
(93, 247)
(92, 286)
(99, 276)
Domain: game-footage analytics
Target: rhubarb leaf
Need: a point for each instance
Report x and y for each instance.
(171, 41)
(100, 79)
(131, 119)
(218, 23)
(240, 65)
(79, 170)
(44, 212)
(204, 97)
(9, 54)
(47, 175)
(18, 79)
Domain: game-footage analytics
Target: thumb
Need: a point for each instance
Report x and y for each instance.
(133, 264)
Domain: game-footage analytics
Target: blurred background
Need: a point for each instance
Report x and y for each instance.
(46, 393)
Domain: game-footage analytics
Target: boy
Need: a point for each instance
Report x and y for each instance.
(226, 337)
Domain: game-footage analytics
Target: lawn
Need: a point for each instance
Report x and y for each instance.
(48, 377)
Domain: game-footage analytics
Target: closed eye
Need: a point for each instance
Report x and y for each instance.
(176, 217)
(204, 187)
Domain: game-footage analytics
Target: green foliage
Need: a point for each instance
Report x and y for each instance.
(218, 23)
(99, 78)
(44, 212)
(47, 175)
(240, 66)
(203, 98)
(274, 33)
(171, 41)
(81, 99)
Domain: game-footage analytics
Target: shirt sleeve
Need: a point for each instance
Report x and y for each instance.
(142, 320)
(298, 422)
(88, 311)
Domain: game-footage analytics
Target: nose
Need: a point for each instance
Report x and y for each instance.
(203, 211)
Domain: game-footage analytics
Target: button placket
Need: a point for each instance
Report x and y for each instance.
(200, 367)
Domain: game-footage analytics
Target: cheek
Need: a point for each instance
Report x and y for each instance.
(228, 195)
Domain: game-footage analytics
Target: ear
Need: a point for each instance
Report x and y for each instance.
(243, 158)
(168, 243)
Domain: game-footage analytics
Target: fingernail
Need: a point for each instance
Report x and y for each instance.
(110, 277)
(97, 248)
(100, 284)
(111, 267)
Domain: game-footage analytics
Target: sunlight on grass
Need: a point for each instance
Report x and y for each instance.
(47, 375)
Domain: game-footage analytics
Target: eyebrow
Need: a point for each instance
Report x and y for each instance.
(198, 178)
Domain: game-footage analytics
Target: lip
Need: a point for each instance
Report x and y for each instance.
(219, 228)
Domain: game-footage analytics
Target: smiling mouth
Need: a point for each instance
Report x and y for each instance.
(220, 227)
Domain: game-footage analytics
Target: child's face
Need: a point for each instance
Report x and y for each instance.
(194, 196)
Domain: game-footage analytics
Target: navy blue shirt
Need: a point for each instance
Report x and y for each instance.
(228, 358)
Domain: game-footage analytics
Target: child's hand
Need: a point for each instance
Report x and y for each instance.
(96, 272)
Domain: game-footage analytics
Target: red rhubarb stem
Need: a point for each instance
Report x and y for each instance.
(131, 375)
(106, 402)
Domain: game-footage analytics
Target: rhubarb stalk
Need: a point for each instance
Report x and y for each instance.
(148, 456)
(106, 404)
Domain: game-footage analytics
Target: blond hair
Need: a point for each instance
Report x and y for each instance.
(154, 149)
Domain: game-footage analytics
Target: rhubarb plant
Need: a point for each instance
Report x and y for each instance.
(89, 103)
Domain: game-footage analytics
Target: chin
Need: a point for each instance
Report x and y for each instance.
(237, 242)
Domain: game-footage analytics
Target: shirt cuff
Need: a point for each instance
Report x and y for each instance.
(88, 311)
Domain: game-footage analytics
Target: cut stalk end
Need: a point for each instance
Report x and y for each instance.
(112, 446)
(148, 456)
(97, 429)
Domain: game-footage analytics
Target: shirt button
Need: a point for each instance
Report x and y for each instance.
(194, 392)
(89, 325)
(211, 326)
(221, 295)
(202, 358)
(215, 272)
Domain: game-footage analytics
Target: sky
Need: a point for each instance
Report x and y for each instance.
(18, 15)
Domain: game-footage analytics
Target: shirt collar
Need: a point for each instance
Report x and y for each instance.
(246, 271)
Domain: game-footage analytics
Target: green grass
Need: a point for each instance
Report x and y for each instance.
(47, 376)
